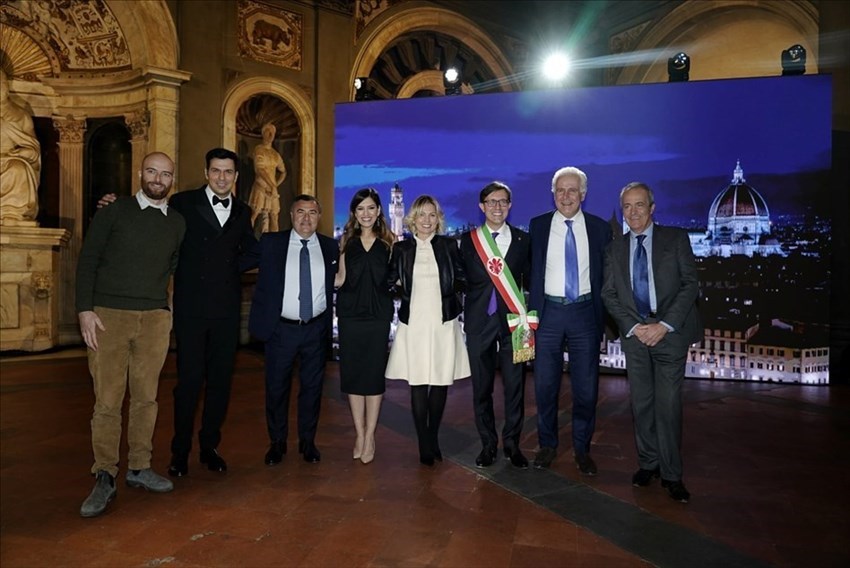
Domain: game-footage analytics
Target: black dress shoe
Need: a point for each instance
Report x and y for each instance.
(276, 451)
(179, 466)
(310, 452)
(486, 457)
(644, 477)
(213, 461)
(516, 458)
(438, 455)
(586, 465)
(544, 458)
(426, 460)
(677, 490)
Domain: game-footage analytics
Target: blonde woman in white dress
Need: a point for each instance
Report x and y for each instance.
(428, 351)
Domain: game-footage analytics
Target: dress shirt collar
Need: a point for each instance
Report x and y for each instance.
(647, 232)
(210, 193)
(426, 240)
(578, 218)
(144, 203)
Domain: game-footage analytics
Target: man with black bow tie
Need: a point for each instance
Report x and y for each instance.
(207, 301)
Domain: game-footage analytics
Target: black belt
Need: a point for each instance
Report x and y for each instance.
(564, 301)
(300, 322)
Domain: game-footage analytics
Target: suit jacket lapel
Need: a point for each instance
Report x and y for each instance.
(205, 210)
(623, 253)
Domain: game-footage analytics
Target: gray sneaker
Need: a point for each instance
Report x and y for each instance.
(103, 492)
(149, 480)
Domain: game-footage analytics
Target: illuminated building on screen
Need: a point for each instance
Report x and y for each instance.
(738, 223)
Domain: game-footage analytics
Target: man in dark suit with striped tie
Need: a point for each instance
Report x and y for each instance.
(651, 290)
(292, 313)
(567, 255)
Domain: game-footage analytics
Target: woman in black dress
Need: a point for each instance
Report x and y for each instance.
(364, 309)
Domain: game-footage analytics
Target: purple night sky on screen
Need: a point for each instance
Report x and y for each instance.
(683, 139)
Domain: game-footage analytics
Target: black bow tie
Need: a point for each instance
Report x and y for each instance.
(224, 202)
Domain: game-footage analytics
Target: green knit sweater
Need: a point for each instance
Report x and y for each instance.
(128, 256)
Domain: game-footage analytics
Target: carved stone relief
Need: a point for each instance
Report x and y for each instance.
(367, 10)
(270, 35)
(77, 35)
(623, 42)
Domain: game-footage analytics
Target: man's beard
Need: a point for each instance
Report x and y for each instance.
(153, 193)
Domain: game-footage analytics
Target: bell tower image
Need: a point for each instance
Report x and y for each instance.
(397, 211)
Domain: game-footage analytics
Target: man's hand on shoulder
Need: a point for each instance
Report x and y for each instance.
(106, 200)
(89, 324)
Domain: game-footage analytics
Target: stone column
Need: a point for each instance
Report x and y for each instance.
(163, 101)
(71, 136)
(138, 123)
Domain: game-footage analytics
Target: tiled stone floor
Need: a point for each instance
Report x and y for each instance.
(767, 467)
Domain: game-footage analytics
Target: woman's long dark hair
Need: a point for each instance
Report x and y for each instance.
(352, 227)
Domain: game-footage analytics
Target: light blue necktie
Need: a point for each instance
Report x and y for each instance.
(640, 279)
(571, 264)
(305, 298)
(491, 307)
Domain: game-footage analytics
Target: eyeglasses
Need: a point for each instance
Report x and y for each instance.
(492, 203)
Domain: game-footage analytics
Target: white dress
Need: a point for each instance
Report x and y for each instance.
(426, 350)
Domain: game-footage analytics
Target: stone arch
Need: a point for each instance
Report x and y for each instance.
(300, 105)
(727, 39)
(150, 32)
(380, 34)
(430, 80)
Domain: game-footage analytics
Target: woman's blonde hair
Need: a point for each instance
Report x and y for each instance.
(416, 209)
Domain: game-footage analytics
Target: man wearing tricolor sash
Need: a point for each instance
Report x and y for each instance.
(498, 326)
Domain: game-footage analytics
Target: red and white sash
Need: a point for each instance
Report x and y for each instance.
(521, 322)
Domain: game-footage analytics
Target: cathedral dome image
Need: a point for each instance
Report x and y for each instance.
(739, 214)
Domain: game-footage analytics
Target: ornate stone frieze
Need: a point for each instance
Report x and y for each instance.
(367, 10)
(269, 34)
(75, 35)
(623, 42)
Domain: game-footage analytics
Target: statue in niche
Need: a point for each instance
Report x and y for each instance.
(269, 173)
(20, 161)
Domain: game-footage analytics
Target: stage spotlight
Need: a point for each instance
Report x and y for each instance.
(451, 80)
(794, 60)
(361, 89)
(678, 67)
(556, 67)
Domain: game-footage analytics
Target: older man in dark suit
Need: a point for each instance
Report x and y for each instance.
(291, 312)
(651, 289)
(488, 338)
(207, 303)
(567, 256)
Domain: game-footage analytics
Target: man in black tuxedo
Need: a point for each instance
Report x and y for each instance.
(292, 313)
(651, 290)
(567, 257)
(207, 301)
(488, 337)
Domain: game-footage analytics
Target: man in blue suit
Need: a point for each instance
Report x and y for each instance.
(292, 313)
(567, 257)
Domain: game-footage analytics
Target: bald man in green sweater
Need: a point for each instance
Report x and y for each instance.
(128, 256)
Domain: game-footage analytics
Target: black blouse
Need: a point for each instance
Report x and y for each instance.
(364, 293)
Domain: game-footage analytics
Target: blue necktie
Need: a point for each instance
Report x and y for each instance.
(640, 279)
(305, 310)
(571, 264)
(491, 307)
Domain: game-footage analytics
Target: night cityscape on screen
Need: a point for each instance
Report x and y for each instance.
(741, 164)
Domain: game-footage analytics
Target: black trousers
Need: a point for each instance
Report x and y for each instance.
(307, 344)
(483, 356)
(206, 350)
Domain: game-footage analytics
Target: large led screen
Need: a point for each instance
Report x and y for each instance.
(741, 164)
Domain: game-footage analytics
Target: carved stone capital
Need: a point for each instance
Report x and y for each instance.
(70, 129)
(138, 123)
